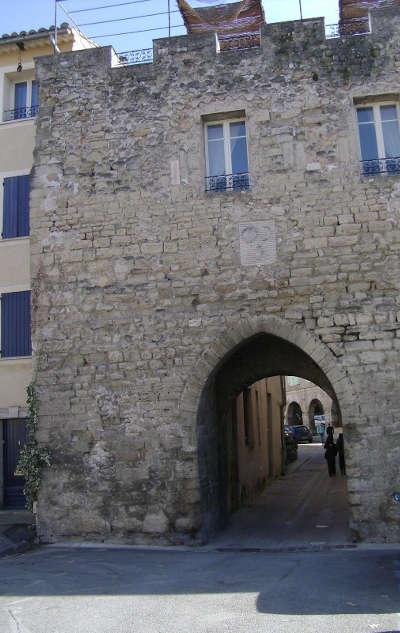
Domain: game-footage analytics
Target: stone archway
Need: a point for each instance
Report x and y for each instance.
(336, 418)
(315, 408)
(294, 414)
(245, 352)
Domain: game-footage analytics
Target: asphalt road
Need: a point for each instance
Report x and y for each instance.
(127, 591)
(286, 565)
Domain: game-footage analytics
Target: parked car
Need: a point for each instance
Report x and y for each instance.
(302, 433)
(290, 444)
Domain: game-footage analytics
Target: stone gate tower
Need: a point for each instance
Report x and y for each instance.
(198, 223)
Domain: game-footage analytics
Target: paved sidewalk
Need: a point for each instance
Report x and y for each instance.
(304, 509)
(16, 532)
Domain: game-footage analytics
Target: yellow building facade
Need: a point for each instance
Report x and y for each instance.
(19, 103)
(257, 450)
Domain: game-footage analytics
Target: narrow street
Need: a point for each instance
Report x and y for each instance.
(304, 508)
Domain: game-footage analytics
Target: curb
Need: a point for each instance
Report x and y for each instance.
(16, 548)
(208, 549)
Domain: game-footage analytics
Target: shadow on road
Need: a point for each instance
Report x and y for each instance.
(332, 582)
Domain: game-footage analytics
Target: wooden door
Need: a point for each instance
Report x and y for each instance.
(14, 437)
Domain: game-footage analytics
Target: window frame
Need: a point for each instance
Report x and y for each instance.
(9, 107)
(375, 106)
(227, 145)
(29, 93)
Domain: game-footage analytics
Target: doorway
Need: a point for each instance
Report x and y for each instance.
(256, 360)
(14, 438)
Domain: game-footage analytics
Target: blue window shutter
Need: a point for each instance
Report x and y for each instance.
(16, 207)
(20, 91)
(16, 324)
(10, 206)
(25, 343)
(4, 347)
(23, 206)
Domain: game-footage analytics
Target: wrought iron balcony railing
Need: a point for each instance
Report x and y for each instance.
(353, 27)
(144, 56)
(380, 166)
(240, 42)
(331, 31)
(26, 112)
(238, 182)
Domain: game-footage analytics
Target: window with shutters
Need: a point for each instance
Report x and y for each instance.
(21, 97)
(15, 207)
(16, 324)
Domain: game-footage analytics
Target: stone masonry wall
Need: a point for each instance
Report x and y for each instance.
(138, 286)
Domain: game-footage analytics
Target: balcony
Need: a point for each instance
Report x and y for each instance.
(27, 112)
(234, 42)
(349, 28)
(380, 166)
(143, 56)
(226, 182)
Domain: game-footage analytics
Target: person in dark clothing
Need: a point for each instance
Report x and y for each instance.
(340, 450)
(330, 456)
(330, 431)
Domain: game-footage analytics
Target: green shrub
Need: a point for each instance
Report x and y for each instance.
(33, 457)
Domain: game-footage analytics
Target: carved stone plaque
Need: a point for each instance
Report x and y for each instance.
(257, 243)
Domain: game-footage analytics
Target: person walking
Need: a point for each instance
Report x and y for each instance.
(330, 431)
(330, 456)
(340, 450)
(321, 431)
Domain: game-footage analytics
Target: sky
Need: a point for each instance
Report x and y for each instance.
(32, 14)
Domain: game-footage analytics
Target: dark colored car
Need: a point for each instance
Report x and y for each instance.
(301, 433)
(290, 444)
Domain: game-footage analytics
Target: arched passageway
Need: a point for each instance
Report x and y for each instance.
(294, 414)
(315, 409)
(336, 416)
(257, 357)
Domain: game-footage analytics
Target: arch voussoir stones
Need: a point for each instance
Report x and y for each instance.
(236, 331)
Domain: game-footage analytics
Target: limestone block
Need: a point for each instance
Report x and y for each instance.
(155, 523)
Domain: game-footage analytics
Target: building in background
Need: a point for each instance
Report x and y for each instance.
(19, 104)
(305, 400)
(256, 456)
